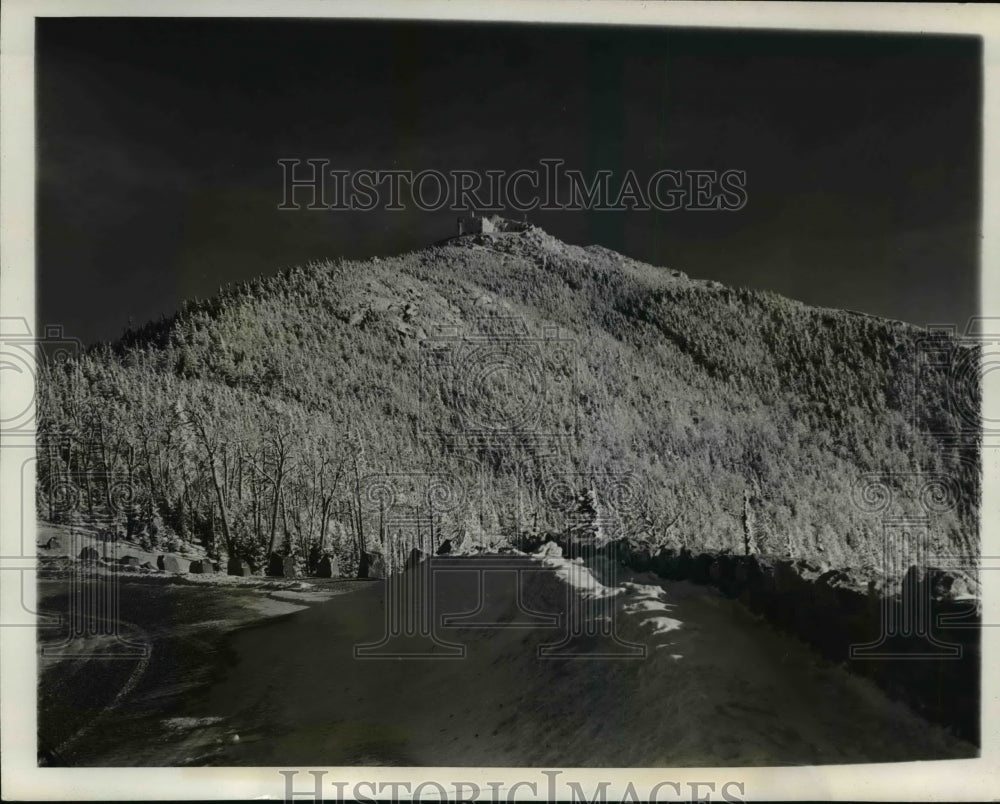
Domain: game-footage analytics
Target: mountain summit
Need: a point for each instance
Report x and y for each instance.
(477, 390)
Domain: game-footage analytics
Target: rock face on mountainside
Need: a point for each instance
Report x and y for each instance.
(503, 388)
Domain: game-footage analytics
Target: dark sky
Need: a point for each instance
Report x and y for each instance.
(158, 143)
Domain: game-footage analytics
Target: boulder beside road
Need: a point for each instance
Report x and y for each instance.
(89, 554)
(282, 566)
(328, 567)
(171, 564)
(239, 567)
(373, 563)
(416, 556)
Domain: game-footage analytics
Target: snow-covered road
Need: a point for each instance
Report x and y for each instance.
(685, 677)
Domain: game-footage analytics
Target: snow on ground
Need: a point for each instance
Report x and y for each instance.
(743, 693)
(188, 723)
(58, 562)
(574, 573)
(76, 537)
(645, 602)
(650, 599)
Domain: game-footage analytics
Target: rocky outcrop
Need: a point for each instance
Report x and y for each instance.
(89, 554)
